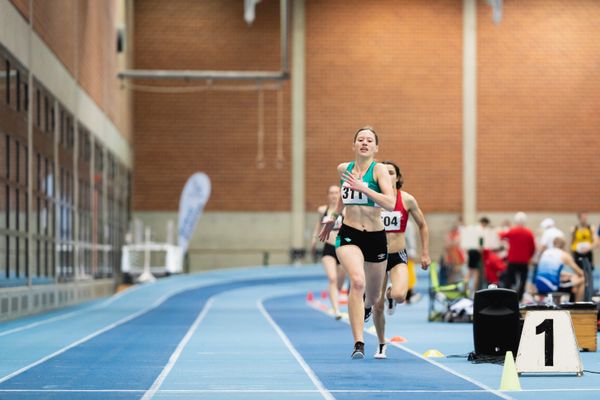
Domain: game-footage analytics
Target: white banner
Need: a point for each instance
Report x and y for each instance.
(193, 199)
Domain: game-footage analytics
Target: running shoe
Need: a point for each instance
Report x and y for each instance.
(415, 298)
(368, 313)
(381, 349)
(359, 351)
(390, 304)
(338, 316)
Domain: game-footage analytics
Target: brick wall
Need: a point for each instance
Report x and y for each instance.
(395, 65)
(81, 33)
(390, 85)
(212, 131)
(538, 102)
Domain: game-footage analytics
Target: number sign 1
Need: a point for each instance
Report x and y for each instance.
(548, 344)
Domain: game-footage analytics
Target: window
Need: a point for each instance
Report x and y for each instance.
(14, 243)
(25, 95)
(84, 263)
(6, 80)
(99, 266)
(12, 85)
(43, 264)
(17, 90)
(66, 199)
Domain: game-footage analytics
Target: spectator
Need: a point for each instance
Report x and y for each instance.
(551, 277)
(582, 239)
(549, 233)
(454, 256)
(491, 240)
(521, 248)
(473, 239)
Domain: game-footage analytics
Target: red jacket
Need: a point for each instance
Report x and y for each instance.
(521, 244)
(493, 266)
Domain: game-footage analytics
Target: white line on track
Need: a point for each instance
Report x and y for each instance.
(445, 368)
(157, 303)
(103, 304)
(311, 374)
(288, 390)
(175, 356)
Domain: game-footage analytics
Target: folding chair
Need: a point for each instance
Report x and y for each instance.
(441, 297)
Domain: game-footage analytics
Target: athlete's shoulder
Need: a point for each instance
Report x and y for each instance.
(380, 169)
(407, 196)
(409, 200)
(380, 166)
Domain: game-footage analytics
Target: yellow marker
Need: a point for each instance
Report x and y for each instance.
(510, 378)
(433, 353)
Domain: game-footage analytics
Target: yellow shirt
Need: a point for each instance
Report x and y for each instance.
(582, 235)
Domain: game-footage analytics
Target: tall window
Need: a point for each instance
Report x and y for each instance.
(99, 265)
(123, 210)
(66, 204)
(5, 79)
(84, 161)
(13, 227)
(111, 224)
(44, 188)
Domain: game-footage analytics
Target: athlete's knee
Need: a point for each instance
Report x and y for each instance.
(358, 284)
(398, 294)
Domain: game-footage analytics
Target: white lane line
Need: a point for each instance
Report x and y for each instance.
(217, 391)
(175, 356)
(103, 304)
(311, 374)
(445, 368)
(46, 321)
(157, 303)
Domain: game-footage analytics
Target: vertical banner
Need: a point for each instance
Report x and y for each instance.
(191, 204)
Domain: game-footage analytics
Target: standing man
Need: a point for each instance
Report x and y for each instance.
(521, 248)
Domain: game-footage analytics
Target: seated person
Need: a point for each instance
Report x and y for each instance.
(550, 275)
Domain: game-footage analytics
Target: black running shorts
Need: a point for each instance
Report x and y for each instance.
(329, 250)
(372, 244)
(394, 259)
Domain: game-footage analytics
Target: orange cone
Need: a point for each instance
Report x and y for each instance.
(398, 339)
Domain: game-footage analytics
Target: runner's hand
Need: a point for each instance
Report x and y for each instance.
(425, 262)
(353, 182)
(326, 227)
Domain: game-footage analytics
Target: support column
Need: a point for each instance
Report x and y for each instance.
(469, 111)
(298, 130)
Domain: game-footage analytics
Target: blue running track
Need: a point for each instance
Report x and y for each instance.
(246, 334)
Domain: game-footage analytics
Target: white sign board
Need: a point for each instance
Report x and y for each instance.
(548, 344)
